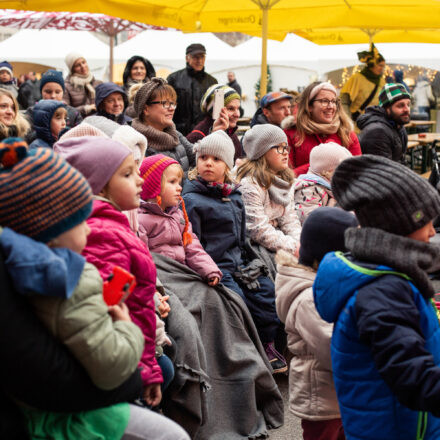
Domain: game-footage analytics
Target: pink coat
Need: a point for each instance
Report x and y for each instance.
(162, 233)
(112, 243)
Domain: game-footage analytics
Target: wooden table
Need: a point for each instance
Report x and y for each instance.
(425, 142)
(412, 124)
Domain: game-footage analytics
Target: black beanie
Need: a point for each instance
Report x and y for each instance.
(385, 194)
(322, 232)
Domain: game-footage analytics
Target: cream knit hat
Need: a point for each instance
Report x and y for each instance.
(326, 157)
(261, 138)
(217, 144)
(71, 58)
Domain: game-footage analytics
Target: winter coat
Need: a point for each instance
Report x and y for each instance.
(112, 243)
(299, 156)
(219, 223)
(78, 96)
(269, 223)
(311, 192)
(190, 87)
(73, 117)
(259, 118)
(204, 127)
(312, 393)
(422, 94)
(43, 114)
(126, 76)
(11, 87)
(234, 84)
(385, 350)
(102, 91)
(162, 233)
(29, 94)
(381, 136)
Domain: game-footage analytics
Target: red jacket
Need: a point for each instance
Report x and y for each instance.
(112, 243)
(299, 156)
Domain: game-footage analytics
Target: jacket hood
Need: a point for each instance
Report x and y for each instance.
(37, 269)
(304, 180)
(105, 89)
(127, 71)
(338, 278)
(374, 114)
(288, 122)
(43, 113)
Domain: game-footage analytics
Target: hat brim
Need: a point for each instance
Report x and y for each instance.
(197, 52)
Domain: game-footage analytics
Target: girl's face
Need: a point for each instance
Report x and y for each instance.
(211, 168)
(80, 67)
(171, 186)
(58, 123)
(138, 72)
(233, 109)
(124, 188)
(7, 110)
(159, 113)
(74, 239)
(324, 107)
(52, 90)
(278, 157)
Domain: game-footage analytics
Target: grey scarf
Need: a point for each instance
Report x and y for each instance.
(279, 191)
(403, 254)
(165, 140)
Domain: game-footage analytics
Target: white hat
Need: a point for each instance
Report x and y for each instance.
(326, 157)
(217, 144)
(71, 58)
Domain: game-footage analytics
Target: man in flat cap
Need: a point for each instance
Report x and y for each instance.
(190, 84)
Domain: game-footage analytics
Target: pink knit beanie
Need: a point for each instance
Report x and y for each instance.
(326, 157)
(151, 171)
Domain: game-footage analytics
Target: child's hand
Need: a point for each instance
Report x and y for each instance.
(153, 394)
(213, 281)
(164, 308)
(222, 122)
(119, 312)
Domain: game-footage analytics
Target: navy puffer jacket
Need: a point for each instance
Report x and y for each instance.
(43, 113)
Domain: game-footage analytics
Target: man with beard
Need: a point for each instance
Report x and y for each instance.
(383, 132)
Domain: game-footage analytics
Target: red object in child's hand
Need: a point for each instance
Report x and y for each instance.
(118, 286)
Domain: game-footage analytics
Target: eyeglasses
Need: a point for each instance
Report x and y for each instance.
(165, 104)
(281, 149)
(326, 102)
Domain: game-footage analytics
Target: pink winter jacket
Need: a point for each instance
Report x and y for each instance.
(112, 243)
(162, 233)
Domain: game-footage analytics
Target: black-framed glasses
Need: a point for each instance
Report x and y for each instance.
(165, 104)
(281, 149)
(326, 102)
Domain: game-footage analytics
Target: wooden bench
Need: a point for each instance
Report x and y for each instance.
(426, 175)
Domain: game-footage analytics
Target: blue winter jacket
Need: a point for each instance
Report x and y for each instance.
(385, 350)
(219, 222)
(102, 91)
(43, 113)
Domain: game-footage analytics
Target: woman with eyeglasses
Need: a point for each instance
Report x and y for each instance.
(319, 119)
(154, 106)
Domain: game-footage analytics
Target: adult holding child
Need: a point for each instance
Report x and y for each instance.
(320, 119)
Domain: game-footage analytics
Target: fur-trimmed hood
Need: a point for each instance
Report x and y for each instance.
(288, 122)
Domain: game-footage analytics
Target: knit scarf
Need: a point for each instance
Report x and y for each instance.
(312, 127)
(403, 254)
(223, 189)
(83, 81)
(165, 140)
(279, 191)
(372, 77)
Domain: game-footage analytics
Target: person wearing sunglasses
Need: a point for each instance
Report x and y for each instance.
(320, 119)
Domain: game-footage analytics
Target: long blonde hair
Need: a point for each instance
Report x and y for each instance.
(303, 116)
(20, 122)
(260, 172)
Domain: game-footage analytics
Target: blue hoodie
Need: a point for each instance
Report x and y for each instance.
(385, 350)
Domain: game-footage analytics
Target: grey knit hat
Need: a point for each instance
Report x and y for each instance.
(261, 138)
(384, 194)
(144, 94)
(217, 144)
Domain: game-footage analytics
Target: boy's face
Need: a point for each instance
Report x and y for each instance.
(5, 76)
(74, 239)
(52, 90)
(58, 123)
(423, 234)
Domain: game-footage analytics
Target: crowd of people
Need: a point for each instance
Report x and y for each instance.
(302, 248)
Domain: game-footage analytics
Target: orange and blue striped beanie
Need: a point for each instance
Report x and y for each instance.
(41, 195)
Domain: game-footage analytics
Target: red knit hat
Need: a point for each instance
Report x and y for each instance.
(151, 171)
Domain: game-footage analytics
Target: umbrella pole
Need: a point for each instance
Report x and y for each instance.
(264, 26)
(112, 43)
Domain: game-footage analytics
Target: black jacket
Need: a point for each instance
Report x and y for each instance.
(234, 84)
(29, 94)
(190, 87)
(381, 136)
(39, 371)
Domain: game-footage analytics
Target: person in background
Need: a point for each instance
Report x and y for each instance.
(423, 97)
(80, 85)
(29, 92)
(12, 123)
(362, 89)
(138, 70)
(111, 102)
(190, 84)
(274, 107)
(398, 78)
(232, 82)
(7, 78)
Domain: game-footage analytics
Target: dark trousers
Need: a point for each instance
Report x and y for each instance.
(322, 429)
(261, 304)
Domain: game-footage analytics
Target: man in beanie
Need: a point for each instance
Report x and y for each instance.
(274, 107)
(190, 84)
(7, 78)
(383, 127)
(385, 346)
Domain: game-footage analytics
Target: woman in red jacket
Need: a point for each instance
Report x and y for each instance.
(319, 119)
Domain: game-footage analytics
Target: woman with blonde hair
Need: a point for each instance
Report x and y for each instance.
(320, 119)
(12, 123)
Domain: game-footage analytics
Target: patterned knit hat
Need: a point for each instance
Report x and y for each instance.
(272, 97)
(392, 93)
(51, 76)
(41, 195)
(384, 194)
(151, 171)
(144, 94)
(261, 138)
(207, 102)
(370, 57)
(326, 157)
(217, 144)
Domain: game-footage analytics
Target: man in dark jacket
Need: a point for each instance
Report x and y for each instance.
(190, 85)
(383, 132)
(274, 107)
(232, 82)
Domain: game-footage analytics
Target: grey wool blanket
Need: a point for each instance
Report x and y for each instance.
(223, 387)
